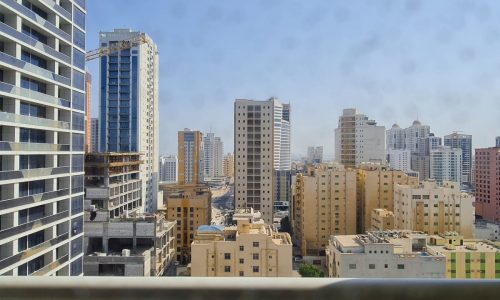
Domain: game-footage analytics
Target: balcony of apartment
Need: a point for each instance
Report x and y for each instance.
(10, 233)
(12, 119)
(64, 9)
(32, 173)
(32, 147)
(10, 90)
(37, 198)
(34, 18)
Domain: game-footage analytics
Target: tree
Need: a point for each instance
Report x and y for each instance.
(306, 270)
(285, 225)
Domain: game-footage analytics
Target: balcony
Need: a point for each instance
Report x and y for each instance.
(59, 9)
(173, 288)
(43, 48)
(96, 193)
(32, 173)
(20, 229)
(27, 67)
(32, 147)
(26, 200)
(23, 11)
(11, 119)
(9, 90)
(50, 267)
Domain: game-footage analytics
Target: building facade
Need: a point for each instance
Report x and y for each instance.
(382, 220)
(228, 165)
(249, 249)
(446, 164)
(213, 150)
(375, 189)
(358, 140)
(434, 209)
(128, 115)
(42, 137)
(314, 154)
(463, 142)
(497, 141)
(190, 206)
(487, 172)
(324, 205)
(94, 134)
(169, 169)
(486, 230)
(88, 105)
(384, 254)
(262, 149)
(190, 159)
(399, 159)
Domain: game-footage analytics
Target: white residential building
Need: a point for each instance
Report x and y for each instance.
(358, 140)
(128, 110)
(399, 159)
(464, 142)
(213, 150)
(315, 154)
(169, 168)
(94, 134)
(42, 137)
(262, 149)
(446, 164)
(407, 138)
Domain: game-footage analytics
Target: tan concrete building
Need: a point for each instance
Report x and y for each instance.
(382, 219)
(249, 249)
(190, 206)
(228, 165)
(383, 254)
(324, 204)
(467, 258)
(434, 209)
(190, 150)
(375, 189)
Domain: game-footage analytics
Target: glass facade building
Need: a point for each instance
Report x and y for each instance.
(42, 116)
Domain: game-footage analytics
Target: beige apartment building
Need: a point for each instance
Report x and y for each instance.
(228, 165)
(467, 258)
(324, 204)
(375, 189)
(382, 219)
(434, 209)
(190, 206)
(249, 249)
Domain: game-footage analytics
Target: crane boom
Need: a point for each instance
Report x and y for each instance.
(120, 45)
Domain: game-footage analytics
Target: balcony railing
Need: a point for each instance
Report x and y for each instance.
(29, 94)
(26, 200)
(59, 9)
(36, 147)
(30, 173)
(17, 120)
(244, 288)
(7, 233)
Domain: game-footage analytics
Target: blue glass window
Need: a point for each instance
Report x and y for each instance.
(77, 163)
(81, 3)
(78, 37)
(37, 10)
(78, 142)
(32, 135)
(28, 109)
(78, 59)
(79, 17)
(77, 184)
(33, 59)
(33, 85)
(34, 34)
(78, 80)
(76, 226)
(76, 205)
(78, 100)
(76, 267)
(78, 121)
(125, 74)
(76, 246)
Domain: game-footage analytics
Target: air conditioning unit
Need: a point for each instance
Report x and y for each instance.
(126, 252)
(92, 208)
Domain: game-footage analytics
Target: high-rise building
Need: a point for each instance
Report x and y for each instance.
(94, 135)
(228, 165)
(190, 205)
(114, 222)
(324, 204)
(315, 154)
(249, 249)
(407, 138)
(88, 105)
(262, 149)
(169, 169)
(464, 142)
(487, 183)
(128, 115)
(190, 157)
(42, 133)
(399, 159)
(497, 140)
(446, 164)
(383, 254)
(434, 209)
(358, 140)
(375, 189)
(213, 150)
(382, 219)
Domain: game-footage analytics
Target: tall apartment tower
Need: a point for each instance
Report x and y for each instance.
(262, 153)
(497, 140)
(407, 138)
(228, 165)
(420, 161)
(42, 133)
(190, 148)
(169, 168)
(464, 142)
(314, 154)
(94, 135)
(88, 118)
(128, 113)
(446, 164)
(358, 140)
(487, 183)
(213, 150)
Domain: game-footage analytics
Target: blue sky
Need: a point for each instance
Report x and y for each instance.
(392, 60)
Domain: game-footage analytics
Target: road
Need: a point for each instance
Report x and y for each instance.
(221, 199)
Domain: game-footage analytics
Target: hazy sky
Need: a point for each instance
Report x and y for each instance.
(392, 60)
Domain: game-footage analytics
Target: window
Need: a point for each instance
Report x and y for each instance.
(401, 266)
(386, 266)
(78, 80)
(227, 255)
(371, 266)
(242, 261)
(352, 266)
(227, 269)
(255, 256)
(242, 273)
(242, 248)
(255, 269)
(256, 244)
(78, 38)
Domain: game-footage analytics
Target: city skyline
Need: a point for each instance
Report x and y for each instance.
(375, 54)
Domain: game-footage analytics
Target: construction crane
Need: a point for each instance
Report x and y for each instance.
(136, 40)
